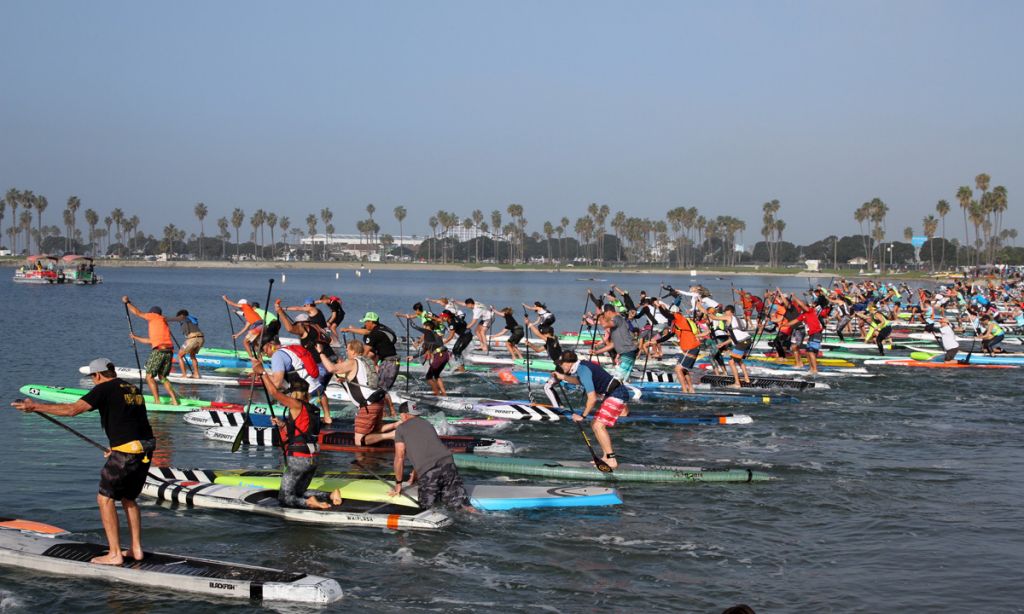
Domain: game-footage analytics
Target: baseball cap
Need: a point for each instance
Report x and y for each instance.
(99, 365)
(412, 409)
(302, 317)
(309, 301)
(242, 301)
(371, 316)
(156, 310)
(674, 309)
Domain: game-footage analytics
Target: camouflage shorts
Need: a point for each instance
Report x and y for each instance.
(159, 363)
(442, 486)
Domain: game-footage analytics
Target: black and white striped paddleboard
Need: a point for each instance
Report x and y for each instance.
(213, 417)
(519, 411)
(253, 436)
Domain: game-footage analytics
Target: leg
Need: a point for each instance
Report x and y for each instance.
(181, 362)
(153, 390)
(605, 441)
(134, 517)
(325, 409)
(170, 390)
(195, 364)
(108, 515)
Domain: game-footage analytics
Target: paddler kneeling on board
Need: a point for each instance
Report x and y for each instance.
(123, 417)
(594, 378)
(433, 467)
(300, 437)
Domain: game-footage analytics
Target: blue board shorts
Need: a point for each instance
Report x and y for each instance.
(814, 342)
(687, 359)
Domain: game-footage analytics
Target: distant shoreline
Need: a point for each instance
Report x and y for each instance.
(597, 273)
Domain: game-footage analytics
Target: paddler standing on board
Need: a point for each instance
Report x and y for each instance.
(161, 359)
(596, 381)
(253, 323)
(123, 417)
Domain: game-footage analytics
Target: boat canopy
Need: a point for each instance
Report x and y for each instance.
(74, 257)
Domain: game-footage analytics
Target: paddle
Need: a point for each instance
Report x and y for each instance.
(408, 351)
(759, 331)
(385, 482)
(138, 363)
(602, 466)
(231, 323)
(526, 327)
(257, 353)
(89, 441)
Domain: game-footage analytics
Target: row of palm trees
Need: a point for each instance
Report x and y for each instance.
(684, 229)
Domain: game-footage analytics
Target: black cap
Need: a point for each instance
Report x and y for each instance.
(156, 310)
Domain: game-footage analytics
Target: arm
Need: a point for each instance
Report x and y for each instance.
(286, 321)
(56, 409)
(132, 308)
(230, 302)
(399, 467)
(354, 330)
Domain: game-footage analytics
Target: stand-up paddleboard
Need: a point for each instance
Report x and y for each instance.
(59, 394)
(344, 441)
(205, 379)
(488, 497)
(625, 472)
(906, 362)
(262, 501)
(542, 413)
(719, 396)
(259, 418)
(977, 358)
(42, 548)
(711, 380)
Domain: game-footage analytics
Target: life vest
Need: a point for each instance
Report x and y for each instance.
(301, 435)
(686, 331)
(303, 366)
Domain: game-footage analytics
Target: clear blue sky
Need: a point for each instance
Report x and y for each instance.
(644, 106)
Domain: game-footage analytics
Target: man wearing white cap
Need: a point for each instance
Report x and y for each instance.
(123, 417)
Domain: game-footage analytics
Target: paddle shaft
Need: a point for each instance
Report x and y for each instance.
(383, 481)
(526, 332)
(602, 466)
(231, 323)
(135, 346)
(87, 439)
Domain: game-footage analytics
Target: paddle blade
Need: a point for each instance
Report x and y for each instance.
(237, 443)
(602, 466)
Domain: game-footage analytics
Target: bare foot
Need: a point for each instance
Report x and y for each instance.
(128, 554)
(316, 504)
(111, 558)
(336, 498)
(613, 463)
(734, 386)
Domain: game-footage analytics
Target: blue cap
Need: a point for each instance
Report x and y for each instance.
(310, 301)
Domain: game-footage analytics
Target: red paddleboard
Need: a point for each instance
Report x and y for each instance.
(944, 365)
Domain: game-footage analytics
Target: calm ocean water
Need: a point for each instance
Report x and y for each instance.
(897, 492)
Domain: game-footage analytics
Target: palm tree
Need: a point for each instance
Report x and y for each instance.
(224, 235)
(200, 211)
(285, 223)
(67, 218)
(118, 216)
(942, 208)
(964, 196)
(237, 218)
(432, 222)
(108, 221)
(326, 215)
(40, 204)
(26, 225)
(496, 229)
(478, 219)
(931, 224)
(92, 218)
(255, 220)
(131, 226)
(400, 214)
(13, 199)
(370, 210)
(272, 222)
(73, 204)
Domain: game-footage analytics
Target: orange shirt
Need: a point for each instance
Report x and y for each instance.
(159, 332)
(250, 314)
(686, 332)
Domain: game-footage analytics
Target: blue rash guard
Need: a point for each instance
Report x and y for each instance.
(594, 378)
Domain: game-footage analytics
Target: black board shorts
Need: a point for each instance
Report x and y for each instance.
(123, 475)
